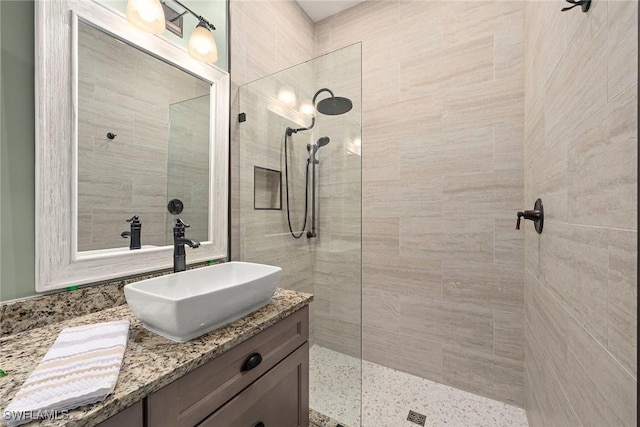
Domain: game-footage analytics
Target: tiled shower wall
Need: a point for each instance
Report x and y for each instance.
(337, 280)
(329, 265)
(442, 179)
(264, 234)
(257, 51)
(127, 176)
(581, 159)
(266, 37)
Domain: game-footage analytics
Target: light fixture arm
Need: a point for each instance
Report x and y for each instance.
(201, 18)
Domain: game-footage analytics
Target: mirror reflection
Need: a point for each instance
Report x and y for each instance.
(143, 140)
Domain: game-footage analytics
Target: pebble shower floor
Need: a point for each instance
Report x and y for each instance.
(388, 396)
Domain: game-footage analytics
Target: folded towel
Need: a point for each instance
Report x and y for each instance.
(80, 368)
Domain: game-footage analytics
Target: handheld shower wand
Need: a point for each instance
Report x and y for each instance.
(312, 158)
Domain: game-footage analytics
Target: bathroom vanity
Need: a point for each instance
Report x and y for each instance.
(252, 372)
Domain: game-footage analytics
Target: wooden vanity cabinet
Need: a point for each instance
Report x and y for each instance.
(262, 380)
(130, 417)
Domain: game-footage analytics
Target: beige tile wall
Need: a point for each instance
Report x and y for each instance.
(258, 50)
(581, 159)
(188, 166)
(129, 93)
(442, 178)
(338, 256)
(267, 37)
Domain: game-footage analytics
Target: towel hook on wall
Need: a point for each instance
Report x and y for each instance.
(586, 4)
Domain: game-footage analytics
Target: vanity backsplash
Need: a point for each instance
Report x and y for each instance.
(22, 315)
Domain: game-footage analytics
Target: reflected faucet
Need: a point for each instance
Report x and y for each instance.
(134, 233)
(179, 256)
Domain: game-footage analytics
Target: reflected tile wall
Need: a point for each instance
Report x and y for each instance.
(581, 159)
(127, 92)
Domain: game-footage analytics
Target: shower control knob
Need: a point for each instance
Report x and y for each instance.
(536, 215)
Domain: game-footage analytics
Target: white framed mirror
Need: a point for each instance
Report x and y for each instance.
(125, 122)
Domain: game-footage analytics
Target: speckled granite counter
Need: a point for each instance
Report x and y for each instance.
(150, 362)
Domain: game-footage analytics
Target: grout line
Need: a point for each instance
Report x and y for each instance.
(553, 221)
(602, 347)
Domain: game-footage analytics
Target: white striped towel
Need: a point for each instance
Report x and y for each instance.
(80, 368)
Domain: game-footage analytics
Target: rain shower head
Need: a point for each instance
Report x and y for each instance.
(334, 106)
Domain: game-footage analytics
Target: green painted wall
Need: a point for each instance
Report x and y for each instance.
(17, 151)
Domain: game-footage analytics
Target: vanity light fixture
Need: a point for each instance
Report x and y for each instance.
(146, 15)
(149, 16)
(202, 45)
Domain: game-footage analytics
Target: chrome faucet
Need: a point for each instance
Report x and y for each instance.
(179, 256)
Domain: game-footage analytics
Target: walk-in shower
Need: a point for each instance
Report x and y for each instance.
(332, 106)
(314, 168)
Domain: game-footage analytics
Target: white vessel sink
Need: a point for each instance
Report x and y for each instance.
(182, 306)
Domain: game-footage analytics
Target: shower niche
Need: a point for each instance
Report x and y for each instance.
(267, 186)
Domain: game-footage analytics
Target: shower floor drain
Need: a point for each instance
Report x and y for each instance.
(416, 418)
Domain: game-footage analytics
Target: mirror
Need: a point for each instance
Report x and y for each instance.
(143, 139)
(126, 122)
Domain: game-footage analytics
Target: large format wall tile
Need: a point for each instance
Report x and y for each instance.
(581, 159)
(574, 262)
(601, 391)
(508, 334)
(485, 285)
(411, 353)
(622, 300)
(491, 376)
(598, 193)
(448, 239)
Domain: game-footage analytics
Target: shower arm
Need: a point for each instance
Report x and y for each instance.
(291, 131)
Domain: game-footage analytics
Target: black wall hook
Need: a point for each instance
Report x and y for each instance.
(586, 4)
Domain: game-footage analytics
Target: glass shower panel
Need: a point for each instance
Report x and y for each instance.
(324, 260)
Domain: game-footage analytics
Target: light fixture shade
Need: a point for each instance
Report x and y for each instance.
(202, 45)
(146, 15)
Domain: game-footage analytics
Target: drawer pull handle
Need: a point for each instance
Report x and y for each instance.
(260, 424)
(252, 361)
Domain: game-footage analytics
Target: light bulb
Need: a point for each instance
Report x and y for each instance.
(306, 108)
(146, 15)
(287, 96)
(202, 45)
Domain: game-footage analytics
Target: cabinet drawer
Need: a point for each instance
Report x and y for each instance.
(278, 399)
(190, 399)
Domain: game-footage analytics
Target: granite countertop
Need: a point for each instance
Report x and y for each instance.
(150, 361)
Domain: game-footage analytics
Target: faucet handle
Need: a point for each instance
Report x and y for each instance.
(520, 215)
(181, 224)
(134, 218)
